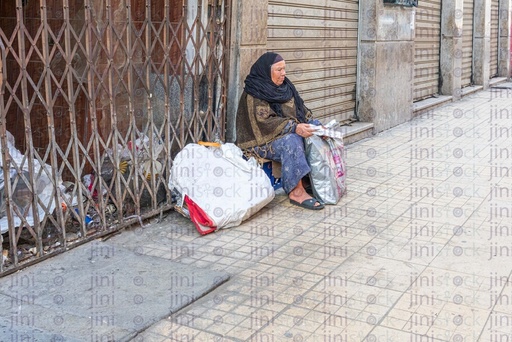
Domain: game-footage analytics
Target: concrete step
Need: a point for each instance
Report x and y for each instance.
(356, 131)
(434, 102)
(431, 103)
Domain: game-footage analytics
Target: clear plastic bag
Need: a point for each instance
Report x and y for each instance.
(21, 194)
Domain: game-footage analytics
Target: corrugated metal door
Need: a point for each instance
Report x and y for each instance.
(426, 49)
(495, 22)
(319, 44)
(467, 43)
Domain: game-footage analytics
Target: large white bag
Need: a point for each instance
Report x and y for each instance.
(218, 186)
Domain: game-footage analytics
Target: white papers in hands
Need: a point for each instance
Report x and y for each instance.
(327, 132)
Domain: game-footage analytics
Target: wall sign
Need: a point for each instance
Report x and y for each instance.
(408, 3)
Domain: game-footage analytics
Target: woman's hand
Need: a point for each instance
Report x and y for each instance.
(304, 130)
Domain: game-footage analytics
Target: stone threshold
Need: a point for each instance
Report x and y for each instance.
(496, 80)
(471, 89)
(356, 131)
(422, 106)
(475, 88)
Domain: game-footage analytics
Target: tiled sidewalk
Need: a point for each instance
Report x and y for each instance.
(420, 249)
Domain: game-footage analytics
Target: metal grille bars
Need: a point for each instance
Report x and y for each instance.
(96, 97)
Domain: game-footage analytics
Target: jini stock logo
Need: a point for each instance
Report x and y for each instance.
(102, 298)
(335, 296)
(102, 302)
(429, 292)
(22, 291)
(500, 299)
(500, 173)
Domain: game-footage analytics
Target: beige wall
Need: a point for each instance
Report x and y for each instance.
(505, 26)
(482, 43)
(386, 60)
(248, 42)
(451, 47)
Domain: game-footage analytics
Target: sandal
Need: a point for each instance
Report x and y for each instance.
(309, 204)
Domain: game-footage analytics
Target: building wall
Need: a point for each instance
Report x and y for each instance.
(248, 42)
(386, 60)
(505, 38)
(385, 81)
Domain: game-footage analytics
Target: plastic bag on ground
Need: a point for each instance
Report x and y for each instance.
(220, 187)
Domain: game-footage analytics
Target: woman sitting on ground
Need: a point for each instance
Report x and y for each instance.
(272, 121)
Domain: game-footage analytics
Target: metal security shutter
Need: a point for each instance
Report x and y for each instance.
(319, 44)
(467, 43)
(426, 49)
(495, 21)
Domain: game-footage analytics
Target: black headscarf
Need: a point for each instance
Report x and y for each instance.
(259, 84)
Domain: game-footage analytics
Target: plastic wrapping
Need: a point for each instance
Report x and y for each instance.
(328, 168)
(21, 194)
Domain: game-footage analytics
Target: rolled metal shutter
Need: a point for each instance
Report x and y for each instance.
(426, 49)
(467, 43)
(495, 22)
(319, 44)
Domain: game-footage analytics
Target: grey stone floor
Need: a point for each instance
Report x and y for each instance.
(420, 249)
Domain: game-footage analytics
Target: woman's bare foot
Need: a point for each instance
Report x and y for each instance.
(299, 195)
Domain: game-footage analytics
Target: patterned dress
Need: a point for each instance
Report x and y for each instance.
(289, 151)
